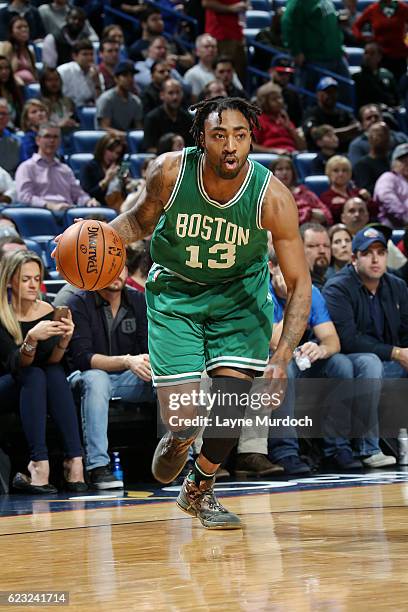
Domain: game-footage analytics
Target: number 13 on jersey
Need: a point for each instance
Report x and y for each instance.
(225, 256)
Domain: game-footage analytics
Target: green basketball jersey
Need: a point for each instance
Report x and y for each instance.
(205, 241)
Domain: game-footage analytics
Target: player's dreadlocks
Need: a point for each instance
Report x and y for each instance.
(218, 105)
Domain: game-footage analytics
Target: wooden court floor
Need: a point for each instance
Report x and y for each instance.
(324, 549)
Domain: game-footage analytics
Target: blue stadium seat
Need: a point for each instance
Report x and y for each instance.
(263, 158)
(135, 138)
(354, 55)
(84, 141)
(77, 160)
(32, 245)
(32, 91)
(317, 184)
(279, 4)
(87, 211)
(362, 4)
(250, 33)
(397, 235)
(136, 163)
(38, 224)
(86, 116)
(303, 163)
(403, 120)
(258, 19)
(37, 48)
(261, 5)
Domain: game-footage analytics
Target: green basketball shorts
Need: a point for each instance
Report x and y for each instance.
(195, 327)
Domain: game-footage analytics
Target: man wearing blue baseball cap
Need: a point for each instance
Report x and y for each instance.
(326, 112)
(369, 308)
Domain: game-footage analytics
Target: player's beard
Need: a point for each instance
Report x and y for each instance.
(228, 174)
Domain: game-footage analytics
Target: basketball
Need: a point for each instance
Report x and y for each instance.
(90, 255)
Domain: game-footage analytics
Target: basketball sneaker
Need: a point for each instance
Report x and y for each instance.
(200, 501)
(170, 457)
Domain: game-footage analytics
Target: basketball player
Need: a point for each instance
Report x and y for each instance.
(209, 208)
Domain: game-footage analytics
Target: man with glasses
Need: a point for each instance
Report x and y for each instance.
(9, 145)
(359, 147)
(44, 182)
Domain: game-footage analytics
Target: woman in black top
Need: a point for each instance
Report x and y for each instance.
(101, 177)
(32, 345)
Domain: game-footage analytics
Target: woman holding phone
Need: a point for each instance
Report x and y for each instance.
(33, 340)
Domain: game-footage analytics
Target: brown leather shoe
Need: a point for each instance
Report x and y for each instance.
(255, 465)
(170, 457)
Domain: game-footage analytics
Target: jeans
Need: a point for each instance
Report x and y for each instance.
(342, 410)
(96, 389)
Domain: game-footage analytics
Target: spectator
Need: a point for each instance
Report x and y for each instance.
(213, 89)
(34, 114)
(108, 358)
(58, 48)
(54, 17)
(158, 50)
(310, 208)
(114, 32)
(387, 21)
(317, 247)
(202, 73)
(374, 84)
(109, 56)
(17, 51)
(372, 166)
(31, 348)
(312, 34)
(9, 144)
(10, 91)
(369, 307)
(100, 177)
(130, 29)
(270, 36)
(222, 23)
(327, 143)
(21, 8)
(11, 243)
(7, 188)
(43, 181)
(118, 109)
(276, 133)
(282, 70)
(355, 214)
(345, 125)
(340, 241)
(391, 190)
(359, 147)
(7, 228)
(347, 17)
(169, 117)
(160, 72)
(224, 71)
(170, 142)
(81, 80)
(338, 169)
(139, 263)
(61, 110)
(323, 351)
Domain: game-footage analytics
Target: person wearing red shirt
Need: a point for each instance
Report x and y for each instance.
(276, 132)
(387, 22)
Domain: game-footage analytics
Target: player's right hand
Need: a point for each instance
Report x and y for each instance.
(58, 238)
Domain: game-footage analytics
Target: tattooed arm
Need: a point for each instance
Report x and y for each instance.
(279, 215)
(141, 220)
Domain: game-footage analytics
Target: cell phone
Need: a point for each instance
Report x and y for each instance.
(60, 312)
(124, 170)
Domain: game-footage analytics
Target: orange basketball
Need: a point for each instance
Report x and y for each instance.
(90, 255)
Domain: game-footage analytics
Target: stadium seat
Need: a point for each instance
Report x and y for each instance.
(135, 138)
(37, 48)
(261, 5)
(279, 4)
(32, 245)
(88, 212)
(317, 184)
(136, 163)
(250, 33)
(84, 141)
(258, 19)
(402, 118)
(32, 91)
(263, 158)
(77, 160)
(362, 4)
(303, 163)
(87, 115)
(397, 235)
(354, 55)
(38, 224)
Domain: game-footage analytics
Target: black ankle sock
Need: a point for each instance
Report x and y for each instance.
(198, 474)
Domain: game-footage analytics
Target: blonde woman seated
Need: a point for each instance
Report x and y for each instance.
(32, 345)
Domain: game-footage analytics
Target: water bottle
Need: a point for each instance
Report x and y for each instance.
(117, 467)
(302, 361)
(403, 447)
